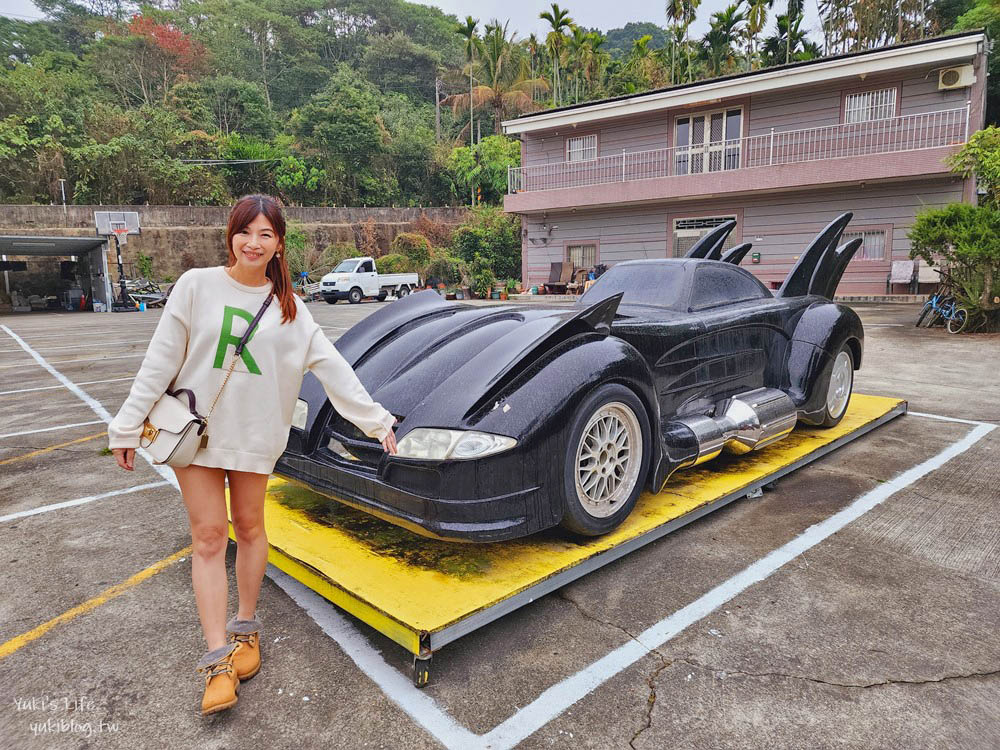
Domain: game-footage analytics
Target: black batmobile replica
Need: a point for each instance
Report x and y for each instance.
(516, 418)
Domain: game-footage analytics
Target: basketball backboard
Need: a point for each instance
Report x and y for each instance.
(109, 221)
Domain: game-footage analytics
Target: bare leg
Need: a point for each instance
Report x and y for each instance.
(246, 492)
(203, 489)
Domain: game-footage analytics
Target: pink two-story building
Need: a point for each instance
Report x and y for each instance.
(782, 150)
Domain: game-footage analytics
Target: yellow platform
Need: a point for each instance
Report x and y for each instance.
(423, 593)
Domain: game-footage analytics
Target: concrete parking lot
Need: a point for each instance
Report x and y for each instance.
(882, 634)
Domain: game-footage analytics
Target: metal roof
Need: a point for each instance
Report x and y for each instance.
(51, 246)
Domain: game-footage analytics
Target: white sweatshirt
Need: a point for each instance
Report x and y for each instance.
(193, 346)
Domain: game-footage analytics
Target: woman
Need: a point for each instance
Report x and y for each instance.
(193, 346)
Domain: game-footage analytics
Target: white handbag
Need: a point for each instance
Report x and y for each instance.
(174, 431)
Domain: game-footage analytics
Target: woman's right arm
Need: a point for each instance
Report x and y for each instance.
(163, 360)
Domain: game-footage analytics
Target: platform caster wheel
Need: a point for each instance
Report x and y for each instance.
(421, 671)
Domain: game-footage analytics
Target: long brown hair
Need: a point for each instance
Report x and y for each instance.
(246, 209)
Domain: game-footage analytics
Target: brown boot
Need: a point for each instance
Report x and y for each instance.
(221, 682)
(245, 633)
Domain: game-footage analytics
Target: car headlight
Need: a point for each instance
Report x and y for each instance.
(438, 445)
(300, 414)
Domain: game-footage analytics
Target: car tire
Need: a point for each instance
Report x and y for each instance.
(402, 292)
(592, 503)
(839, 386)
(354, 296)
(331, 300)
(382, 295)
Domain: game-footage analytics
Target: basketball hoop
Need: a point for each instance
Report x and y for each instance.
(121, 233)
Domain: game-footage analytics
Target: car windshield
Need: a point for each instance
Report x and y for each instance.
(642, 283)
(346, 266)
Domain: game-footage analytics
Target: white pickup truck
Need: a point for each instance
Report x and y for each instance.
(356, 278)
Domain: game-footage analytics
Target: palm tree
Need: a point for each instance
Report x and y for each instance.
(556, 41)
(690, 9)
(502, 67)
(718, 43)
(533, 47)
(468, 32)
(675, 12)
(756, 20)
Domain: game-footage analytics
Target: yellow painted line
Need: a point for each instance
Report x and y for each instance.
(40, 451)
(403, 584)
(17, 642)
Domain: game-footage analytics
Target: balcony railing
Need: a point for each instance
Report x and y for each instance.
(908, 133)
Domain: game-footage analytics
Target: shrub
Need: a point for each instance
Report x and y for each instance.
(366, 238)
(414, 246)
(482, 276)
(966, 239)
(437, 232)
(446, 270)
(145, 265)
(489, 232)
(394, 263)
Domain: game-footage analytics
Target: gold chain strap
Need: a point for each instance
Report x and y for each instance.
(231, 367)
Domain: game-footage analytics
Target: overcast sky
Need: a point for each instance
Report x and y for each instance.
(523, 14)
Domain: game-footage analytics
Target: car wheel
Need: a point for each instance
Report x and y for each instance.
(402, 292)
(354, 296)
(607, 458)
(382, 295)
(331, 300)
(839, 387)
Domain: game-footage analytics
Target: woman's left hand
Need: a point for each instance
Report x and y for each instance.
(389, 442)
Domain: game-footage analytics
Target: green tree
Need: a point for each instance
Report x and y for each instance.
(484, 166)
(339, 129)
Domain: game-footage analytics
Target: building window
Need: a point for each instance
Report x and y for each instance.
(582, 256)
(689, 231)
(581, 148)
(870, 105)
(873, 247)
(708, 142)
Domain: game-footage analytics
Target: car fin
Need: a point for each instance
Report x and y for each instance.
(831, 268)
(596, 318)
(369, 333)
(736, 254)
(799, 279)
(712, 242)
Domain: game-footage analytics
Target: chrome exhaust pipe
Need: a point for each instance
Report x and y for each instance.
(746, 422)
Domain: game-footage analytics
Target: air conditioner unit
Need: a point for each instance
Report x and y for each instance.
(955, 78)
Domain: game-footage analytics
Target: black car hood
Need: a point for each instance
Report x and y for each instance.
(436, 363)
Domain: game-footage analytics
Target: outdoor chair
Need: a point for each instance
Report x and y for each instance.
(902, 272)
(575, 286)
(927, 274)
(560, 274)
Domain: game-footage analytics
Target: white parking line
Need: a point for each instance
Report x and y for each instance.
(93, 403)
(51, 429)
(78, 501)
(52, 387)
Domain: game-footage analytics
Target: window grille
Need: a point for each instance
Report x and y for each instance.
(689, 231)
(582, 256)
(873, 246)
(581, 148)
(871, 105)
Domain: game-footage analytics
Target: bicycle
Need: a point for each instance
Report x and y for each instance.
(936, 306)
